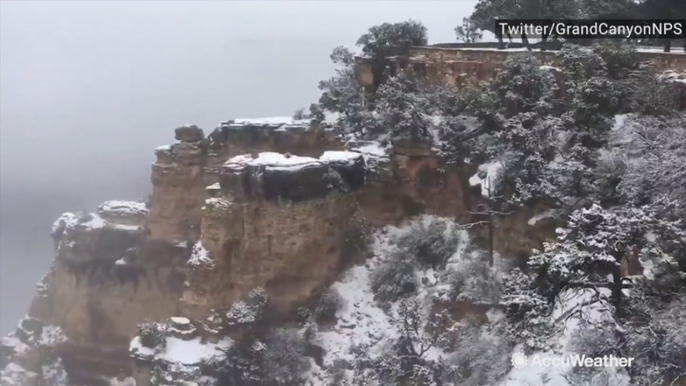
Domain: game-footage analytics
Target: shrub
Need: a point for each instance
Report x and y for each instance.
(431, 244)
(394, 278)
(279, 359)
(482, 355)
(284, 359)
(329, 303)
(389, 39)
(620, 59)
(152, 334)
(475, 281)
(251, 313)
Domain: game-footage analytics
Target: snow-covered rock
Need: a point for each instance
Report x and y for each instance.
(486, 177)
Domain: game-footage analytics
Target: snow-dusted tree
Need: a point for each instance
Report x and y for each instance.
(522, 86)
(243, 364)
(651, 332)
(579, 64)
(404, 359)
(431, 244)
(402, 107)
(328, 304)
(468, 32)
(284, 360)
(528, 311)
(153, 334)
(250, 314)
(342, 93)
(388, 39)
(475, 281)
(394, 278)
(278, 359)
(481, 354)
(595, 243)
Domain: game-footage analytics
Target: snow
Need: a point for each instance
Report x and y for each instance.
(51, 336)
(659, 50)
(128, 381)
(591, 311)
(92, 221)
(360, 320)
(490, 171)
(163, 148)
(125, 227)
(550, 68)
(200, 256)
(15, 375)
(192, 351)
(216, 202)
(187, 352)
(620, 119)
(340, 156)
(673, 76)
(214, 186)
(547, 214)
(373, 149)
(180, 320)
(123, 208)
(71, 221)
(272, 160)
(267, 121)
(17, 345)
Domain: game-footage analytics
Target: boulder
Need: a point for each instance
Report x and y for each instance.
(275, 176)
(189, 134)
(350, 165)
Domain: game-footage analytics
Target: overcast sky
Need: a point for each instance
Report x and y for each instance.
(88, 89)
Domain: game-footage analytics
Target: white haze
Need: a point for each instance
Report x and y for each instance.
(88, 89)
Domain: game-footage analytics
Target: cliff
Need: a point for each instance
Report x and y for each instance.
(470, 65)
(282, 205)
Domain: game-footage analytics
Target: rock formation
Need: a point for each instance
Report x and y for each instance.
(276, 204)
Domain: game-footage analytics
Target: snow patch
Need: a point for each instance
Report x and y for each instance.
(486, 177)
(187, 352)
(200, 257)
(123, 208)
(340, 156)
(267, 121)
(270, 159)
(361, 320)
(620, 119)
(547, 214)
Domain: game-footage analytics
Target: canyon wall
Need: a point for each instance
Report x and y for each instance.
(459, 65)
(282, 206)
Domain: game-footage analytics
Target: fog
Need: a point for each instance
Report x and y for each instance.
(88, 89)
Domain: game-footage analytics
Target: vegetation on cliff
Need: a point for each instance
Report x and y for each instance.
(599, 137)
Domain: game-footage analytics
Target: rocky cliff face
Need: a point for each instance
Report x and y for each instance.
(272, 204)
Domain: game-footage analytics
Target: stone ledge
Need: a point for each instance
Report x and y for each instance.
(275, 176)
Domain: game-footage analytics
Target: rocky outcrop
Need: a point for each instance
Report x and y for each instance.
(281, 224)
(184, 170)
(272, 204)
(457, 66)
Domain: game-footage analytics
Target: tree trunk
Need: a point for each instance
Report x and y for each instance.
(684, 44)
(501, 44)
(544, 41)
(490, 224)
(668, 45)
(525, 40)
(617, 286)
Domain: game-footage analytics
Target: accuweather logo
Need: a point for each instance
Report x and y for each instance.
(520, 360)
